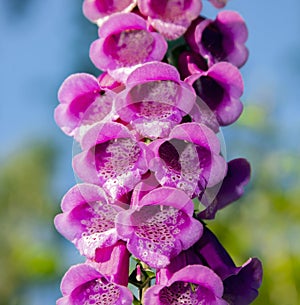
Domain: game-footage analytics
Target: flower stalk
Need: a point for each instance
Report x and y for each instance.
(151, 166)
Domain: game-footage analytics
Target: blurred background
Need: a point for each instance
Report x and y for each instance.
(43, 42)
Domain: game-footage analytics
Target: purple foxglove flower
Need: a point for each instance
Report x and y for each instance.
(220, 40)
(220, 88)
(231, 189)
(155, 100)
(218, 3)
(88, 220)
(170, 17)
(82, 104)
(190, 62)
(99, 10)
(125, 42)
(160, 227)
(111, 158)
(189, 159)
(195, 284)
(240, 283)
(82, 284)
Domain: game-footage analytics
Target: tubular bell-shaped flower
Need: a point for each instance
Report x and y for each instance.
(240, 283)
(189, 159)
(160, 227)
(111, 158)
(170, 17)
(124, 43)
(220, 87)
(220, 40)
(155, 100)
(88, 219)
(82, 104)
(99, 10)
(191, 285)
(83, 284)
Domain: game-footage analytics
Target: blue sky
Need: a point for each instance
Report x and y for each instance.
(37, 55)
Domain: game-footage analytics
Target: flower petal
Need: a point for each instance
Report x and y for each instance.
(89, 221)
(231, 189)
(82, 104)
(160, 228)
(241, 289)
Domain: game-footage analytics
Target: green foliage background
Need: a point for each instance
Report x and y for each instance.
(30, 249)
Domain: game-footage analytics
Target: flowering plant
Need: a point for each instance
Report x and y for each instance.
(151, 165)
